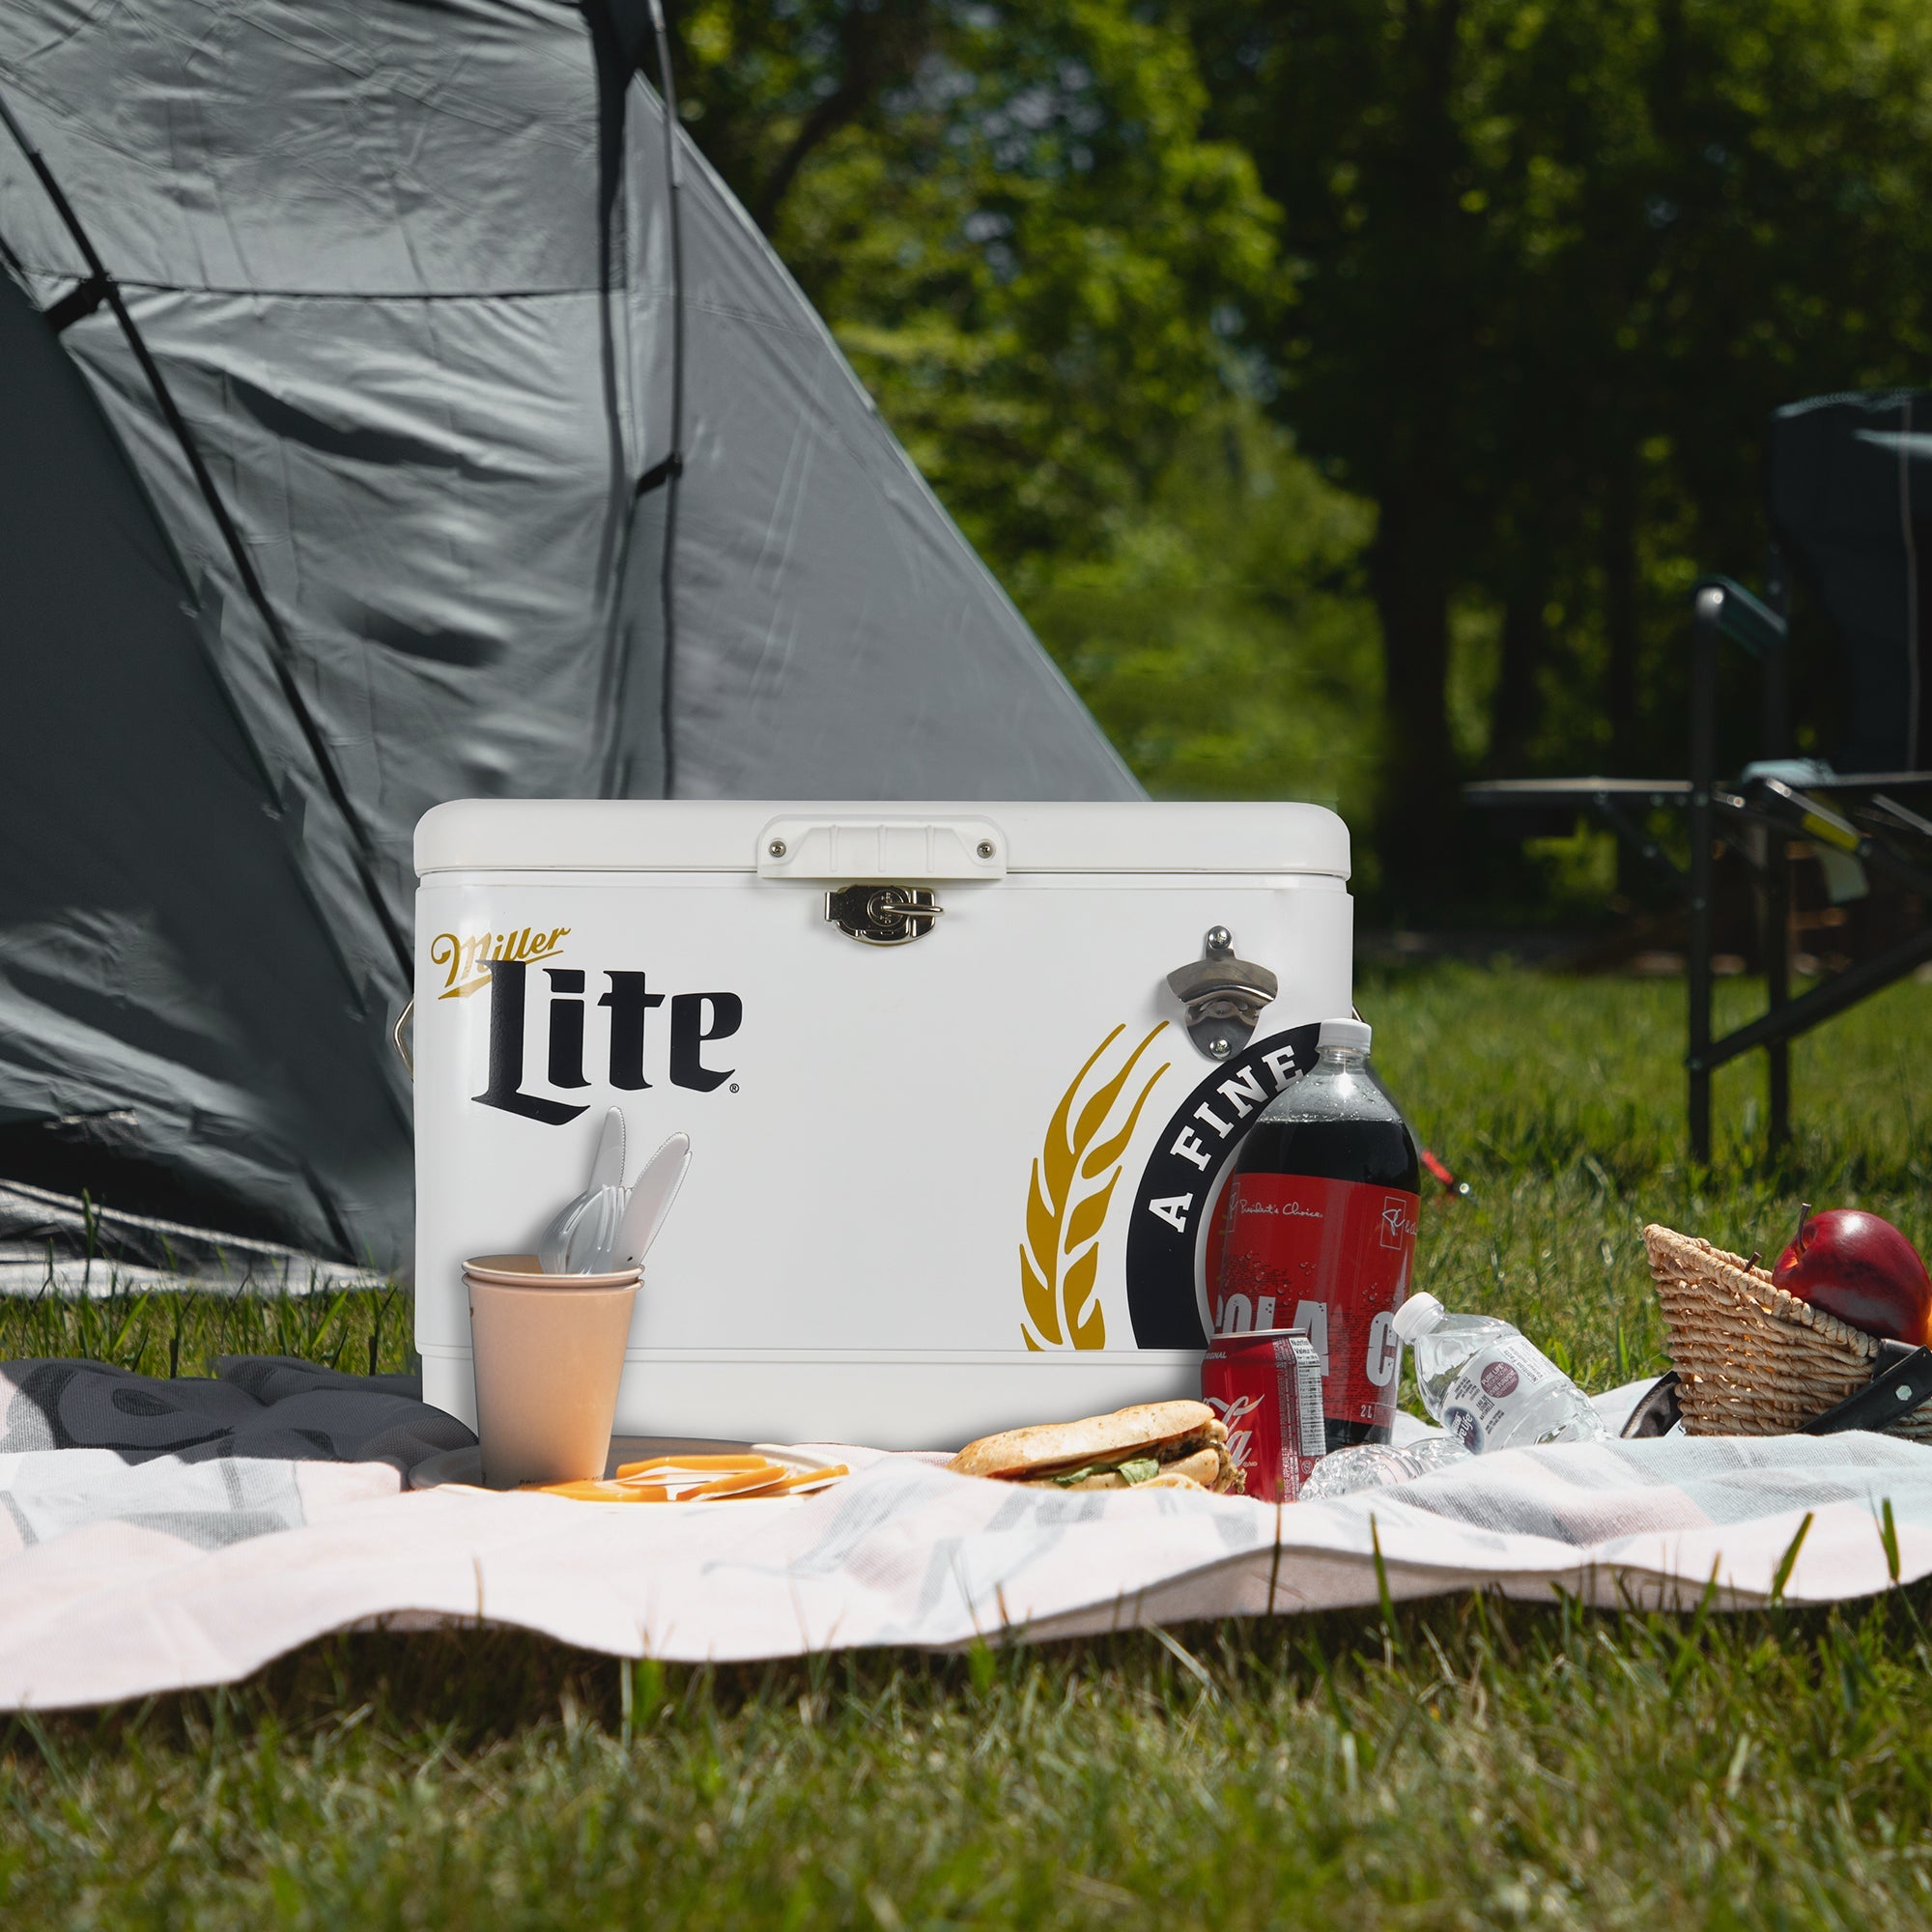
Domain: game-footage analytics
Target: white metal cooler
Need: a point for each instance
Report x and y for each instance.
(961, 1084)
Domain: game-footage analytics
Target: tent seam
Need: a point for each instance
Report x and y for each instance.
(729, 311)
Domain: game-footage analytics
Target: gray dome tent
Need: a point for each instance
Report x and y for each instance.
(391, 413)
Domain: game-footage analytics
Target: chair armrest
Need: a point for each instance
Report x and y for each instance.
(1744, 618)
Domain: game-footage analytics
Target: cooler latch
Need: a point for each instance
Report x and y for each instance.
(883, 915)
(1224, 996)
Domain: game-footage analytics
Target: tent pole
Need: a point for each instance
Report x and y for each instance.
(666, 590)
(664, 473)
(282, 656)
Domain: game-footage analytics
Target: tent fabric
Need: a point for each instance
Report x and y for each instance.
(407, 271)
(165, 983)
(1851, 501)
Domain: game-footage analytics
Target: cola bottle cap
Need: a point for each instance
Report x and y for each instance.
(1416, 1315)
(1354, 1033)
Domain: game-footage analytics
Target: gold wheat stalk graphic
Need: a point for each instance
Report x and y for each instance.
(1067, 1206)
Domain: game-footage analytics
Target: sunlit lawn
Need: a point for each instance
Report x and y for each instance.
(1470, 1763)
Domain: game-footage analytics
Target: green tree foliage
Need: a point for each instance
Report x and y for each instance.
(1545, 270)
(1526, 279)
(1222, 632)
(1015, 224)
(1032, 252)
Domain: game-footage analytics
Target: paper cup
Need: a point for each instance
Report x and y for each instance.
(549, 1352)
(527, 1271)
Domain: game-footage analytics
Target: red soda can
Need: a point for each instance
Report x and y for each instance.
(1266, 1387)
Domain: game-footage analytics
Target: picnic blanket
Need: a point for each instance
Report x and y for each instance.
(156, 1535)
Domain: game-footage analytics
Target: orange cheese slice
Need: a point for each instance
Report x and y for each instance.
(738, 1483)
(599, 1490)
(680, 1462)
(691, 1479)
(811, 1479)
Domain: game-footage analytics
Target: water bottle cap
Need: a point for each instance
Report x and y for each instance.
(1354, 1033)
(1416, 1315)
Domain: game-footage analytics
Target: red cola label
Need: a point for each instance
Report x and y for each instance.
(1330, 1258)
(1267, 1389)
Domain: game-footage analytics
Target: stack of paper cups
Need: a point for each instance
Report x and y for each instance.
(549, 1350)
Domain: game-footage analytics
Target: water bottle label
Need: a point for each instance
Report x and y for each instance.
(1330, 1258)
(1492, 1387)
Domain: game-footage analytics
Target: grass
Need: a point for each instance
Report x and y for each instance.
(1562, 1102)
(360, 1332)
(1463, 1762)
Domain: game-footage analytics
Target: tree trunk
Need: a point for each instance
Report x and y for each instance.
(1623, 700)
(881, 47)
(1516, 706)
(1416, 832)
(1420, 477)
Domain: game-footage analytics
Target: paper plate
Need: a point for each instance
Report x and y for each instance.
(466, 1465)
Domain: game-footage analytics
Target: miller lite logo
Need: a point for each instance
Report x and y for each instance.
(465, 961)
(607, 1028)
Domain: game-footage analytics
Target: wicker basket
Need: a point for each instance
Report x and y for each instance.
(1751, 1359)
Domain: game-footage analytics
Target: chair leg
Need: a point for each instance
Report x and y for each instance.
(1778, 982)
(1776, 863)
(1704, 631)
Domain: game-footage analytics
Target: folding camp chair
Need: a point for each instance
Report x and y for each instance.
(1851, 513)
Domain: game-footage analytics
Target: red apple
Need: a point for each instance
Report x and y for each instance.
(1861, 1269)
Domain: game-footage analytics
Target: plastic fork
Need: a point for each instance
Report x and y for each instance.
(584, 1230)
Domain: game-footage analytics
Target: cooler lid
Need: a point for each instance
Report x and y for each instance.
(878, 838)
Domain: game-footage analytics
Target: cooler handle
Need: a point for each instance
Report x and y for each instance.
(905, 851)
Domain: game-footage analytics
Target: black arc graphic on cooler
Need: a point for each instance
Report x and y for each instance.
(1195, 1146)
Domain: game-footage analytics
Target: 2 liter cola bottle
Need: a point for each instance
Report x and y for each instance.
(1316, 1230)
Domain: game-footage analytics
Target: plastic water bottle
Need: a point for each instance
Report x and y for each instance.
(1487, 1384)
(1378, 1466)
(1316, 1230)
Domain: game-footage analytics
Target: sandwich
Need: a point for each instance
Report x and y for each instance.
(1167, 1445)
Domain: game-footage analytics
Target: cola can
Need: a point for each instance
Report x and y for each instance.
(1266, 1387)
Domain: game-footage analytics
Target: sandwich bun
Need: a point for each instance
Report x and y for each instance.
(1185, 1437)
